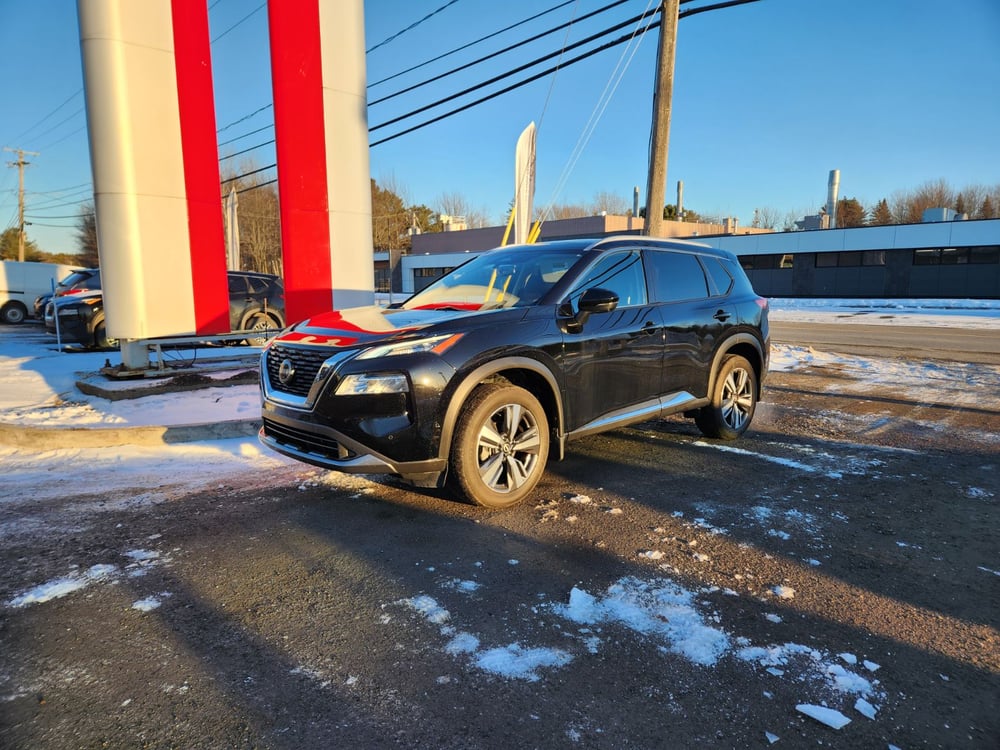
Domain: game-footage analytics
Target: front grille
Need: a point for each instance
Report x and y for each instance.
(306, 441)
(305, 361)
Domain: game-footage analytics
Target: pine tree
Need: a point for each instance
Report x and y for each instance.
(880, 215)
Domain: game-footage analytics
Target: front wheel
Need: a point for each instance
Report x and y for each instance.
(101, 339)
(734, 399)
(500, 447)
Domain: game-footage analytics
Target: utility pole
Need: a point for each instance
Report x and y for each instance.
(656, 182)
(20, 164)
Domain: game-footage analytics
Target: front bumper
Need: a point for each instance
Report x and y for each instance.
(328, 448)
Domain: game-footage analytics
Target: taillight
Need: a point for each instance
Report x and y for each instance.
(761, 303)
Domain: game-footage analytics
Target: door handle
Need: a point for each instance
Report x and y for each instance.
(722, 316)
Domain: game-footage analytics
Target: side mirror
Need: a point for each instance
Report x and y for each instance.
(593, 301)
(598, 301)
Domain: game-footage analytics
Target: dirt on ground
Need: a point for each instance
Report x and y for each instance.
(659, 590)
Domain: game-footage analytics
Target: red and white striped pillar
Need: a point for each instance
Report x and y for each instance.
(321, 130)
(151, 117)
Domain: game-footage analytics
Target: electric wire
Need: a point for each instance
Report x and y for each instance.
(490, 56)
(606, 46)
(411, 26)
(241, 21)
(515, 71)
(617, 75)
(472, 43)
(50, 114)
(246, 135)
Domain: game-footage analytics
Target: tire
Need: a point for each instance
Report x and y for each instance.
(13, 313)
(734, 400)
(500, 446)
(101, 340)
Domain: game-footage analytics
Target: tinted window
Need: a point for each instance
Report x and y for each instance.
(988, 254)
(620, 273)
(676, 276)
(720, 277)
(237, 285)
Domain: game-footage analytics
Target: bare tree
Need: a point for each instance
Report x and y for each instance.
(908, 206)
(566, 211)
(767, 217)
(608, 203)
(86, 236)
(259, 218)
(456, 204)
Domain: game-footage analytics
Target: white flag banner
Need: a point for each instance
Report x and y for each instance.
(524, 183)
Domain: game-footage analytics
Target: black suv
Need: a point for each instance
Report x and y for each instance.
(471, 382)
(78, 282)
(256, 303)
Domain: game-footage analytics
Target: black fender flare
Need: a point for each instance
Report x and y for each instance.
(476, 377)
(736, 341)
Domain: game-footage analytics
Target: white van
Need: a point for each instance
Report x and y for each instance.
(22, 282)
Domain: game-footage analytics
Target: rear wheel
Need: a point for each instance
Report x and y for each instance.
(13, 312)
(500, 447)
(261, 322)
(734, 399)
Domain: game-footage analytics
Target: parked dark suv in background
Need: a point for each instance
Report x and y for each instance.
(475, 380)
(256, 303)
(78, 282)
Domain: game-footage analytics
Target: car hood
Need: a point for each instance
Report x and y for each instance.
(365, 326)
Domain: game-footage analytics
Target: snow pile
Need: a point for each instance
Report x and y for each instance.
(660, 609)
(512, 661)
(60, 587)
(101, 573)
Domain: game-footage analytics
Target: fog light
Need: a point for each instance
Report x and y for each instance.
(370, 384)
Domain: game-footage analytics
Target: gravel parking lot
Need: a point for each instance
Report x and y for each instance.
(659, 589)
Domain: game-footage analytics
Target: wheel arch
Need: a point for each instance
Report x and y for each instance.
(745, 345)
(524, 372)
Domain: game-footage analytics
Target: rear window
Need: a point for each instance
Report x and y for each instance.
(720, 278)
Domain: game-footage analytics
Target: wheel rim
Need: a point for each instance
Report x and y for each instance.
(737, 398)
(259, 324)
(507, 448)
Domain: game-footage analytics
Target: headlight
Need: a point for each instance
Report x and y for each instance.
(372, 384)
(69, 312)
(436, 344)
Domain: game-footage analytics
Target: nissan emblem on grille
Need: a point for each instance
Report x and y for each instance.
(286, 373)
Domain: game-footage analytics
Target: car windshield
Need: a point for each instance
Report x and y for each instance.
(499, 278)
(74, 278)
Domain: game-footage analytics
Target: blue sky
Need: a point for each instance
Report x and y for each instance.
(768, 97)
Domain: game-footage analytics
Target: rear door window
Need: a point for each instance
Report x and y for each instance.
(675, 277)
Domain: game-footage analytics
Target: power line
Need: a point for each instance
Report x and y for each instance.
(246, 135)
(65, 119)
(595, 116)
(472, 43)
(50, 114)
(63, 138)
(245, 117)
(509, 48)
(247, 150)
(245, 18)
(522, 68)
(411, 26)
(512, 87)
